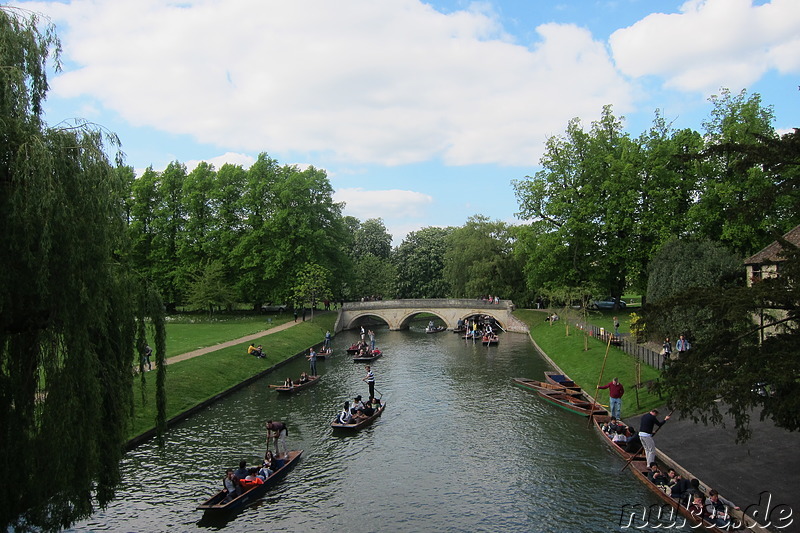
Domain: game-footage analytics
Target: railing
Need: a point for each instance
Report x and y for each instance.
(644, 354)
(428, 303)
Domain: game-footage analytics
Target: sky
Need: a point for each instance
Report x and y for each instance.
(421, 113)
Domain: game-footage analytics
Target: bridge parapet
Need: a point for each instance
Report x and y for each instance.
(397, 313)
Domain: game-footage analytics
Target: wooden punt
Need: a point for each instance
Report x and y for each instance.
(535, 385)
(323, 354)
(360, 424)
(312, 380)
(559, 379)
(436, 329)
(490, 340)
(373, 354)
(216, 505)
(638, 464)
(568, 400)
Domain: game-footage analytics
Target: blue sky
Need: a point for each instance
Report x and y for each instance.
(421, 113)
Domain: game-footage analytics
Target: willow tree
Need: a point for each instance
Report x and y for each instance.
(70, 312)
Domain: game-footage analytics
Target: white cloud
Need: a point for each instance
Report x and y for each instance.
(386, 204)
(712, 44)
(390, 82)
(229, 157)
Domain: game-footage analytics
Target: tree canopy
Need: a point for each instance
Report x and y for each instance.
(72, 308)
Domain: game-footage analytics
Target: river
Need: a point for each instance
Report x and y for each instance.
(459, 448)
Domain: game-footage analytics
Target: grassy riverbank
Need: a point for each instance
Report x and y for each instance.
(584, 366)
(198, 379)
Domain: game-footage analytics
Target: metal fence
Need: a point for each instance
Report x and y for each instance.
(624, 343)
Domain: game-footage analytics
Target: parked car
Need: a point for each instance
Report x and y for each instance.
(607, 303)
(273, 308)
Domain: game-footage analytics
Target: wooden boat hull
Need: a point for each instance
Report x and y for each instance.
(559, 379)
(361, 424)
(322, 355)
(599, 420)
(368, 358)
(312, 380)
(438, 329)
(215, 505)
(535, 385)
(571, 403)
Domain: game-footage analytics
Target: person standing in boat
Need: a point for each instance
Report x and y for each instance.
(371, 339)
(312, 359)
(370, 379)
(646, 430)
(615, 392)
(277, 431)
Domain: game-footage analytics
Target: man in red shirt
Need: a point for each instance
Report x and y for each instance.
(615, 392)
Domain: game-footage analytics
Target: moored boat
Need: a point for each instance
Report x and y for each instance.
(535, 385)
(218, 505)
(367, 357)
(559, 379)
(297, 385)
(364, 422)
(321, 355)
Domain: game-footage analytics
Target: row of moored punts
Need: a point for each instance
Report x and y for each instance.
(561, 391)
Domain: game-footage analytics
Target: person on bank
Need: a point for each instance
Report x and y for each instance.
(277, 431)
(615, 392)
(646, 429)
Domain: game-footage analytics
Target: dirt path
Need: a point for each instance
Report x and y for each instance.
(227, 344)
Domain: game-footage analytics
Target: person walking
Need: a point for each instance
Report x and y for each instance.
(277, 431)
(666, 349)
(370, 379)
(682, 346)
(616, 327)
(312, 359)
(646, 430)
(615, 392)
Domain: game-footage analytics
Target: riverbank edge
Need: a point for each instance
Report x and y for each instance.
(666, 459)
(180, 417)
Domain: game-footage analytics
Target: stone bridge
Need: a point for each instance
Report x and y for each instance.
(398, 313)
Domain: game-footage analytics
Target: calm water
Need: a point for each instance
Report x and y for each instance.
(459, 448)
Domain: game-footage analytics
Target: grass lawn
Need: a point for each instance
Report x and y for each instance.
(584, 366)
(195, 380)
(187, 333)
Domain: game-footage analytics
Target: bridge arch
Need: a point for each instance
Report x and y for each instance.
(398, 313)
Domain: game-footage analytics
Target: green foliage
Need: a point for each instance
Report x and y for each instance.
(371, 237)
(71, 306)
(678, 270)
(312, 285)
(420, 264)
(479, 260)
(211, 288)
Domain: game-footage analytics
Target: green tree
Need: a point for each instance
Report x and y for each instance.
(371, 237)
(71, 306)
(312, 284)
(169, 224)
(681, 267)
(211, 288)
(420, 264)
(479, 260)
(737, 122)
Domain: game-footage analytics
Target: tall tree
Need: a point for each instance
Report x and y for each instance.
(420, 264)
(69, 301)
(736, 123)
(169, 225)
(479, 260)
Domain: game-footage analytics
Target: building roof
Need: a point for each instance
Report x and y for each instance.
(771, 253)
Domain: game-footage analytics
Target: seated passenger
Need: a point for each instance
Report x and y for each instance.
(634, 444)
(368, 410)
(303, 377)
(288, 383)
(656, 476)
(345, 417)
(376, 403)
(717, 509)
(619, 438)
(241, 472)
(696, 506)
(251, 480)
(230, 486)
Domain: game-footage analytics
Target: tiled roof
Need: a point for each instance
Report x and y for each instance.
(770, 253)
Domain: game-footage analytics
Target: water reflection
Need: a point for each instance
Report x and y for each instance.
(457, 449)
